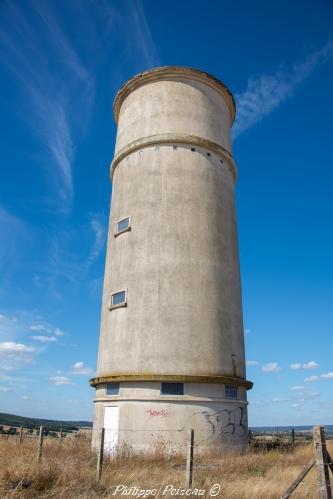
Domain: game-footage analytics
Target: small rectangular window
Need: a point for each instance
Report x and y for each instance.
(123, 225)
(172, 388)
(118, 299)
(112, 389)
(230, 391)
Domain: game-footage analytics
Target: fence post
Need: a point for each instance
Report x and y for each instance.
(21, 434)
(293, 436)
(321, 463)
(100, 456)
(40, 444)
(61, 435)
(189, 459)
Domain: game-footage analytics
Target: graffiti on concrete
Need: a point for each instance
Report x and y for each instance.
(155, 412)
(227, 421)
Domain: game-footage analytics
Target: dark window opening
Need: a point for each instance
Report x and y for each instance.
(172, 388)
(118, 299)
(112, 388)
(230, 392)
(123, 225)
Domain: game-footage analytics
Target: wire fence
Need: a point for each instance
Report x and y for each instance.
(190, 447)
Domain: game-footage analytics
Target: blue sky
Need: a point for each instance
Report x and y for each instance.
(61, 64)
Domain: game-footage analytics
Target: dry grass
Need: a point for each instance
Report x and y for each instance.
(68, 470)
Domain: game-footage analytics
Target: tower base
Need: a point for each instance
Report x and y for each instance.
(140, 419)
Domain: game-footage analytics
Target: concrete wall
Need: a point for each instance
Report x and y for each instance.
(173, 174)
(169, 106)
(179, 263)
(156, 421)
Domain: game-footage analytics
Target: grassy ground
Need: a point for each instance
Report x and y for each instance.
(68, 470)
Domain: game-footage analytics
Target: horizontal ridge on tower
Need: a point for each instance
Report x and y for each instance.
(159, 73)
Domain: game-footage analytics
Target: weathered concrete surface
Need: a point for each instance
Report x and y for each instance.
(179, 262)
(148, 420)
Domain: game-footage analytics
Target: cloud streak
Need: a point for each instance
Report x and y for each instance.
(54, 84)
(43, 339)
(15, 355)
(265, 93)
(307, 366)
(79, 368)
(143, 38)
(56, 72)
(271, 367)
(98, 229)
(311, 379)
(60, 380)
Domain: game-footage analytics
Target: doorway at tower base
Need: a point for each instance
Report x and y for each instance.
(142, 420)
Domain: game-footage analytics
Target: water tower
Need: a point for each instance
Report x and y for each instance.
(171, 351)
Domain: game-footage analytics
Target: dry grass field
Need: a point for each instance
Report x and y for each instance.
(68, 470)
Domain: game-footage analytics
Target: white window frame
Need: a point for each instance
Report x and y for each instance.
(118, 305)
(118, 232)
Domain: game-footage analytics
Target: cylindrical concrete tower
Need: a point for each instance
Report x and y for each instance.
(171, 352)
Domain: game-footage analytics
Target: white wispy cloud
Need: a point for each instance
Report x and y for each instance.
(15, 330)
(265, 93)
(280, 400)
(5, 389)
(303, 396)
(15, 355)
(17, 237)
(39, 327)
(58, 332)
(55, 85)
(56, 71)
(80, 369)
(60, 380)
(307, 366)
(297, 388)
(98, 228)
(65, 263)
(43, 339)
(311, 365)
(310, 379)
(309, 395)
(141, 37)
(252, 363)
(271, 367)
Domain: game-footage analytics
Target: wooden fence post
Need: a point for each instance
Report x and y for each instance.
(323, 478)
(293, 436)
(40, 444)
(189, 459)
(100, 456)
(298, 480)
(21, 434)
(61, 434)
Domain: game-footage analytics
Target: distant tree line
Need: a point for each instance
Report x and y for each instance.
(47, 431)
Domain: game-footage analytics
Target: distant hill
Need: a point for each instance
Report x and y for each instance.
(273, 429)
(13, 420)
